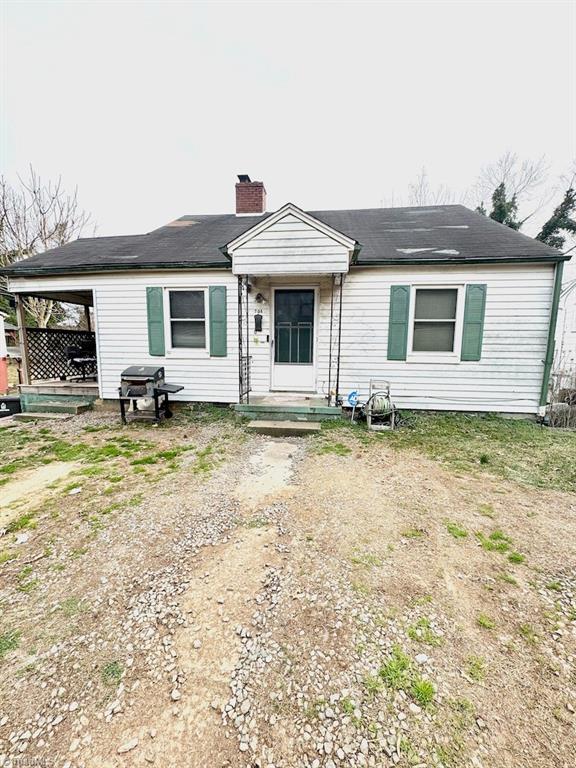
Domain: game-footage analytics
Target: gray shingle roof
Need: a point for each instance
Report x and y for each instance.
(434, 234)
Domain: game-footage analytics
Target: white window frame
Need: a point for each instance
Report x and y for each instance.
(186, 352)
(436, 357)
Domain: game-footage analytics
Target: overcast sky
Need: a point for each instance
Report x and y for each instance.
(152, 108)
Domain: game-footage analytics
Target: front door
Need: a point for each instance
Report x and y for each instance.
(293, 340)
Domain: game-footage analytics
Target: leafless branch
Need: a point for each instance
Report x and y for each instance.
(36, 217)
(522, 178)
(421, 193)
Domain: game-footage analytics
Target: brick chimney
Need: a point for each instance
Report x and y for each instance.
(250, 196)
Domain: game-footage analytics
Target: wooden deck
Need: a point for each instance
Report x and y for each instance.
(60, 388)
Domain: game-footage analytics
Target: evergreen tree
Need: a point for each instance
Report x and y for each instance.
(561, 223)
(503, 210)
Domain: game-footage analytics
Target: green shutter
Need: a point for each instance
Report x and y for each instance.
(218, 325)
(398, 322)
(155, 307)
(473, 329)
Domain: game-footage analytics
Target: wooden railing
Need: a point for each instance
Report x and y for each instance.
(48, 353)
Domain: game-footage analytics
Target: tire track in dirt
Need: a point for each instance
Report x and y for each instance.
(186, 729)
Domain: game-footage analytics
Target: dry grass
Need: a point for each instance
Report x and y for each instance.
(430, 548)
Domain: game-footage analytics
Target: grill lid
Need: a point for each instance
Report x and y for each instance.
(143, 372)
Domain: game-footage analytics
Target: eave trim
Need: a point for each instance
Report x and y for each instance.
(174, 265)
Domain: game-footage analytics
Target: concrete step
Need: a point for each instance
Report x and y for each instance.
(284, 428)
(61, 406)
(267, 412)
(33, 416)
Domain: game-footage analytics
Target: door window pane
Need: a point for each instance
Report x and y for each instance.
(436, 304)
(305, 343)
(293, 306)
(282, 348)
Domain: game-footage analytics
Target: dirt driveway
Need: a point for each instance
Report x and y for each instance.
(196, 596)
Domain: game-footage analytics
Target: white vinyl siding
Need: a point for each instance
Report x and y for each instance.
(290, 247)
(509, 375)
(507, 378)
(122, 330)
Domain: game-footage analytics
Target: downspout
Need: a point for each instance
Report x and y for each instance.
(549, 359)
(339, 341)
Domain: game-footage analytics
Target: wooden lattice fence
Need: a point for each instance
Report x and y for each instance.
(47, 353)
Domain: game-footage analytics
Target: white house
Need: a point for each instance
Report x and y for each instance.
(457, 311)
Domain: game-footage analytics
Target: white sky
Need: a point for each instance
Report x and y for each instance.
(152, 108)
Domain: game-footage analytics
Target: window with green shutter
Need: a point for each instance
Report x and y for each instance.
(436, 322)
(181, 319)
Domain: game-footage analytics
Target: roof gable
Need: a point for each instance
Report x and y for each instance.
(290, 241)
(289, 209)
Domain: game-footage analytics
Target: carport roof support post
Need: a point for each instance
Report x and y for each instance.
(23, 339)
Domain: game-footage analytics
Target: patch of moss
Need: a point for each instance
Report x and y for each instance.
(9, 641)
(27, 520)
(456, 530)
(112, 673)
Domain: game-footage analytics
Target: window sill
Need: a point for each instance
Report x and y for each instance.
(439, 358)
(185, 354)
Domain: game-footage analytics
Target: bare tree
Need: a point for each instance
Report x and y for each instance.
(421, 193)
(35, 217)
(521, 177)
(521, 181)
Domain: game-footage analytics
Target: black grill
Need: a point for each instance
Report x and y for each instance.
(141, 380)
(144, 390)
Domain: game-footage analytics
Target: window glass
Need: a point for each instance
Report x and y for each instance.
(436, 304)
(187, 304)
(433, 337)
(434, 320)
(188, 334)
(187, 320)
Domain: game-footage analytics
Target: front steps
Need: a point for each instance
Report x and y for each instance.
(295, 408)
(284, 428)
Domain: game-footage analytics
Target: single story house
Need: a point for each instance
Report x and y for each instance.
(456, 311)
